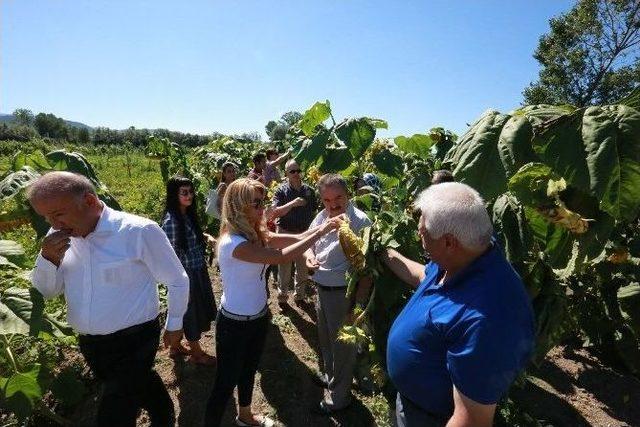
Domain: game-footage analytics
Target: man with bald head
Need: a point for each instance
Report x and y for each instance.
(468, 329)
(295, 205)
(107, 264)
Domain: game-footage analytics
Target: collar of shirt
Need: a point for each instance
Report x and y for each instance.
(104, 224)
(433, 276)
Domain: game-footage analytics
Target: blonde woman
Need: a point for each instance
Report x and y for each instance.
(245, 248)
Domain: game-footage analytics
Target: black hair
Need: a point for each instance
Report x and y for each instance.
(259, 157)
(172, 206)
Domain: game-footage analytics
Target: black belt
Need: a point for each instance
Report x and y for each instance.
(122, 332)
(331, 288)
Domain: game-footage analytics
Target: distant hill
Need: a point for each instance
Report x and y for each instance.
(8, 118)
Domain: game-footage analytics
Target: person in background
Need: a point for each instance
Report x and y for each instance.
(369, 184)
(265, 167)
(180, 223)
(294, 203)
(479, 333)
(108, 263)
(328, 260)
(442, 175)
(244, 247)
(274, 160)
(229, 172)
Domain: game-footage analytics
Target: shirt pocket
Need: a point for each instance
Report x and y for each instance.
(116, 272)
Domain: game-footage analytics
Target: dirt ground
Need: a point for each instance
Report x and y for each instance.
(571, 388)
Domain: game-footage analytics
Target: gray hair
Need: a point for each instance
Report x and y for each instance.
(332, 180)
(456, 209)
(55, 184)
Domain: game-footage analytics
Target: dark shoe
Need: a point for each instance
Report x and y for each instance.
(321, 409)
(320, 379)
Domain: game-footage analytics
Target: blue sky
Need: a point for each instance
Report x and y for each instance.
(231, 66)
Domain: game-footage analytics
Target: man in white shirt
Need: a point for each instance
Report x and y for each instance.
(108, 263)
(331, 265)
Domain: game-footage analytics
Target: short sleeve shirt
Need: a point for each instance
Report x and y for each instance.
(329, 253)
(475, 332)
(298, 218)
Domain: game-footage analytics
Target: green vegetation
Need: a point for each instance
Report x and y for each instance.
(561, 183)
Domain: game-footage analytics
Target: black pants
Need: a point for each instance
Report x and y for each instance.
(239, 346)
(123, 362)
(408, 414)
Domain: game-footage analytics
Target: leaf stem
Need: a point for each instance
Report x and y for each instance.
(10, 353)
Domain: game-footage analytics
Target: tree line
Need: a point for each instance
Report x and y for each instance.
(26, 126)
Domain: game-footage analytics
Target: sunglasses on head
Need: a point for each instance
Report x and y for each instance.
(257, 203)
(295, 171)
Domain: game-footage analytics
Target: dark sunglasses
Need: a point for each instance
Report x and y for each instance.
(258, 203)
(295, 171)
(185, 192)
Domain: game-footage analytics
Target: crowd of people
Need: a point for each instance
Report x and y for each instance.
(453, 351)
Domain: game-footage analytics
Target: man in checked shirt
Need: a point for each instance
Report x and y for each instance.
(108, 263)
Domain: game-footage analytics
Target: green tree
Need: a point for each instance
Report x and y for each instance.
(277, 130)
(291, 118)
(270, 126)
(23, 116)
(590, 56)
(83, 136)
(51, 126)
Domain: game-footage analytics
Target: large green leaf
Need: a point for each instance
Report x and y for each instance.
(12, 254)
(22, 312)
(475, 159)
(35, 160)
(357, 135)
(513, 230)
(541, 115)
(514, 144)
(10, 248)
(389, 163)
(612, 142)
(22, 391)
(313, 148)
(417, 144)
(530, 183)
(68, 387)
(15, 182)
(317, 114)
(561, 147)
(378, 123)
(335, 160)
(629, 299)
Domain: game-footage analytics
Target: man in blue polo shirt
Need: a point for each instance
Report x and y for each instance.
(468, 330)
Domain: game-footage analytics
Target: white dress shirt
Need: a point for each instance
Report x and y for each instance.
(329, 253)
(109, 278)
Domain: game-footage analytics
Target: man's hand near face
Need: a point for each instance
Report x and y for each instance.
(55, 245)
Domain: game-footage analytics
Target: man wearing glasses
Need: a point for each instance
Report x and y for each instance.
(295, 205)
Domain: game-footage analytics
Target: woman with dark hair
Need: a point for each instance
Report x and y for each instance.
(181, 225)
(229, 171)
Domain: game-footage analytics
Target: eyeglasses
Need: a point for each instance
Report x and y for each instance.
(258, 203)
(295, 171)
(185, 192)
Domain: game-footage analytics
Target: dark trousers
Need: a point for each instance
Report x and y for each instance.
(239, 346)
(123, 362)
(408, 414)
